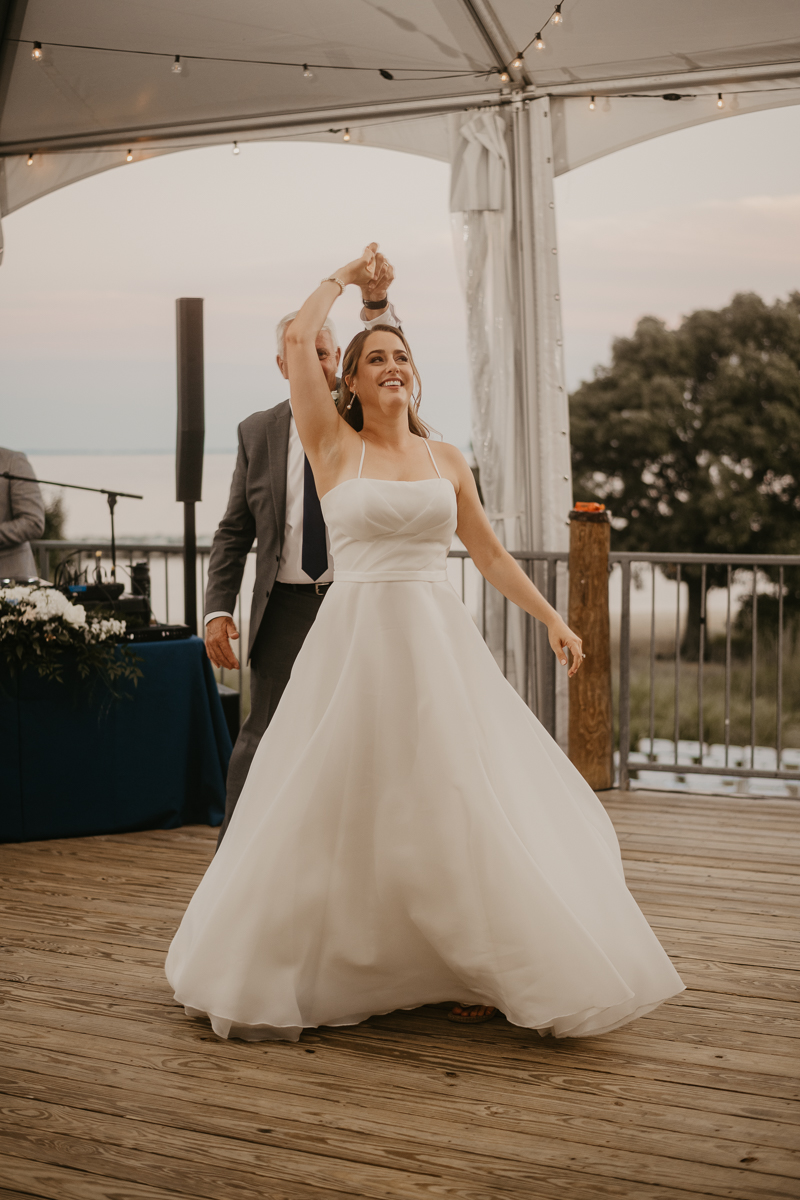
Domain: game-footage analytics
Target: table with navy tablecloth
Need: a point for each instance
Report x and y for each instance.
(73, 765)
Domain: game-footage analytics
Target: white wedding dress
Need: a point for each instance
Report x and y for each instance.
(408, 832)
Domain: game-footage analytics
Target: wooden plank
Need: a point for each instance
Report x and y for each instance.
(100, 1064)
(232, 1167)
(46, 1182)
(505, 1133)
(35, 1162)
(289, 1074)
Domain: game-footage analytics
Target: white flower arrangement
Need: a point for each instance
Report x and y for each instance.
(41, 628)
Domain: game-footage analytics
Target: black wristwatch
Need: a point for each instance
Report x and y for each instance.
(376, 303)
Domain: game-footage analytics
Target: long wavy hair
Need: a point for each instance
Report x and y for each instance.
(354, 415)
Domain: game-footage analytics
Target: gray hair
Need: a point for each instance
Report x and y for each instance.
(280, 332)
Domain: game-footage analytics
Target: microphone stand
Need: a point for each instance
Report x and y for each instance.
(111, 497)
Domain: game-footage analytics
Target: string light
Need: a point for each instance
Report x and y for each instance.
(557, 17)
(235, 147)
(591, 104)
(505, 77)
(432, 73)
(538, 42)
(129, 157)
(346, 135)
(307, 72)
(30, 160)
(176, 66)
(517, 63)
(720, 101)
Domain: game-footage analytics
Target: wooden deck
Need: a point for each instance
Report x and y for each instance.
(108, 1092)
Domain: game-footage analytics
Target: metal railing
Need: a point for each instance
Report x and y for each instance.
(525, 659)
(733, 565)
(521, 650)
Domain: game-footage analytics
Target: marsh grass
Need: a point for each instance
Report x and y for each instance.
(714, 695)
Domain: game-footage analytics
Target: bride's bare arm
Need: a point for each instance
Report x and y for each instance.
(502, 571)
(322, 431)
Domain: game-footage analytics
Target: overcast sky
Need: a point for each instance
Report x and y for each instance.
(91, 273)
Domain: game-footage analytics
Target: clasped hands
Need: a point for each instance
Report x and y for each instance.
(372, 272)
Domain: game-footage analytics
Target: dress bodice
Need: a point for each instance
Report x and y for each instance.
(385, 529)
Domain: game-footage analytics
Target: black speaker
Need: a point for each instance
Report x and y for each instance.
(191, 400)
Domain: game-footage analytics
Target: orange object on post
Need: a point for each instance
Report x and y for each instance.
(589, 506)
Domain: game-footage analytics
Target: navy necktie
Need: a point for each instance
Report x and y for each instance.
(315, 547)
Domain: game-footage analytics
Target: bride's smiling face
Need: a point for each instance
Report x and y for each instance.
(384, 376)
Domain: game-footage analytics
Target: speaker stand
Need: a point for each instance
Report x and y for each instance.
(189, 566)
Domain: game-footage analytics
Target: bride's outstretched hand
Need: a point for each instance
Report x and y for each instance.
(361, 271)
(563, 639)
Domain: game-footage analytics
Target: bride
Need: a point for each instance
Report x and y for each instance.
(408, 832)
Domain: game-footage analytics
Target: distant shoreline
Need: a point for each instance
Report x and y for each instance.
(116, 453)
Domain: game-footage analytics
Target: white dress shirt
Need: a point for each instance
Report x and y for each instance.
(290, 569)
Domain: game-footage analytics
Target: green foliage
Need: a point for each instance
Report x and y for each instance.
(714, 698)
(54, 518)
(41, 631)
(692, 435)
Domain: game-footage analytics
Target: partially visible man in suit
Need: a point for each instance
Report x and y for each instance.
(21, 517)
(273, 499)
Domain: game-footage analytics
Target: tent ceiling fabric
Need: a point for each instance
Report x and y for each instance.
(120, 87)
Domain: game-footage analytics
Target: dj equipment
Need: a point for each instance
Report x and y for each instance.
(99, 593)
(190, 439)
(158, 633)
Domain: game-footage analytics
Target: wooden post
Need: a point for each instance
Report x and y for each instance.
(590, 716)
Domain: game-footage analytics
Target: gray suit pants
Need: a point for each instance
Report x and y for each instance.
(287, 620)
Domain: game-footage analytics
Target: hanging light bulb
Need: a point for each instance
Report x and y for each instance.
(538, 42)
(720, 101)
(307, 72)
(346, 135)
(557, 17)
(176, 66)
(517, 63)
(30, 160)
(606, 105)
(129, 157)
(36, 52)
(505, 77)
(591, 104)
(734, 103)
(235, 147)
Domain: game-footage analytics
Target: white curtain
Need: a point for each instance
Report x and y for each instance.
(503, 216)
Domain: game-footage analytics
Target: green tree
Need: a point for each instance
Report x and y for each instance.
(692, 436)
(54, 519)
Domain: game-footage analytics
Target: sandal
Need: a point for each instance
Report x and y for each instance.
(472, 1014)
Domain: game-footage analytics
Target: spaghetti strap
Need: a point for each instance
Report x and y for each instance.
(433, 460)
(363, 452)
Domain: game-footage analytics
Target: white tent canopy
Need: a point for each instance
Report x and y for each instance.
(84, 85)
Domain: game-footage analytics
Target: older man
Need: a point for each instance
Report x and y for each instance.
(21, 517)
(273, 499)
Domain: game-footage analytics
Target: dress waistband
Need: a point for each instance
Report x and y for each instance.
(436, 576)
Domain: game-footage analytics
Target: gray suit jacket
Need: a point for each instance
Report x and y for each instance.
(21, 517)
(256, 510)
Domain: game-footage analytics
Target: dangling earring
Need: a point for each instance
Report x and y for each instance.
(353, 397)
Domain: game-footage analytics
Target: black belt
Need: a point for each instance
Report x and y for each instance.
(306, 589)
